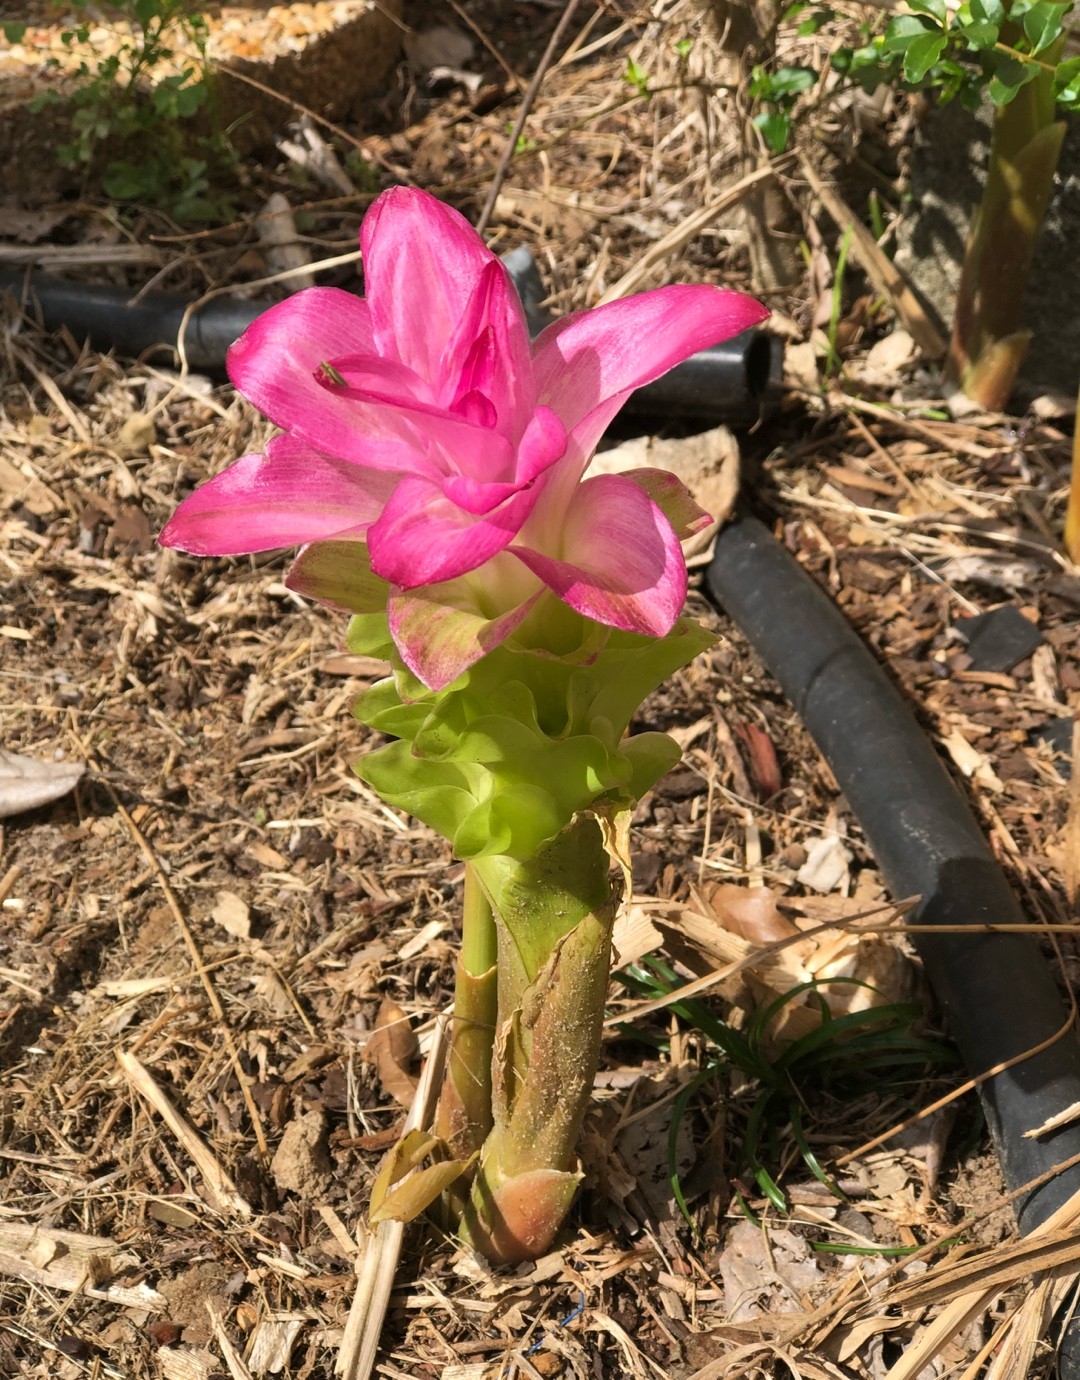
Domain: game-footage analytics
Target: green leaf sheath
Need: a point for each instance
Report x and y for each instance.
(988, 344)
(546, 1050)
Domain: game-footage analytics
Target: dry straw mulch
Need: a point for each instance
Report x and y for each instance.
(224, 959)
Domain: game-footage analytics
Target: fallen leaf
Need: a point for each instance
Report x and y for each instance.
(131, 532)
(267, 856)
(750, 912)
(441, 46)
(25, 490)
(888, 358)
(27, 783)
(764, 1273)
(136, 436)
(232, 914)
(392, 1048)
(20, 223)
(764, 768)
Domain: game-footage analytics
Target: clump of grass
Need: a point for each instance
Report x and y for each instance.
(843, 1058)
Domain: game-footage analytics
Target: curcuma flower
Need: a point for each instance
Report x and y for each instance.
(422, 422)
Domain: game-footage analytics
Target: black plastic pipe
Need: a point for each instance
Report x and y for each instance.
(150, 325)
(728, 382)
(997, 991)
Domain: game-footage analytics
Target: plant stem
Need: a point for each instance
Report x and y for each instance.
(546, 1050)
(988, 345)
(464, 1117)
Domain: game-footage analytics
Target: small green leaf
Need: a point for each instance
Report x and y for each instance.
(788, 82)
(14, 30)
(775, 128)
(636, 76)
(124, 181)
(1067, 82)
(902, 31)
(1009, 75)
(987, 11)
(1043, 23)
(920, 56)
(979, 35)
(189, 99)
(934, 8)
(815, 21)
(146, 11)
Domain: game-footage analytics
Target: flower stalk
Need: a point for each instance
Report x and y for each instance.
(463, 1117)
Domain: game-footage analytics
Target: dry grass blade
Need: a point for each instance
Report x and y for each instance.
(193, 950)
(523, 114)
(377, 1263)
(223, 1194)
(1025, 1332)
(968, 1288)
(1004, 1265)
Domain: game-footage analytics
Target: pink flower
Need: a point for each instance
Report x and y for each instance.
(421, 421)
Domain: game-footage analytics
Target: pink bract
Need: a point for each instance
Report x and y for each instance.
(421, 421)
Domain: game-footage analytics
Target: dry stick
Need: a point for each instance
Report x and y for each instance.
(189, 940)
(880, 269)
(192, 307)
(7, 882)
(293, 104)
(378, 1264)
(220, 1189)
(527, 100)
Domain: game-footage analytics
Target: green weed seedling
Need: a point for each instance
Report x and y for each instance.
(843, 1058)
(163, 161)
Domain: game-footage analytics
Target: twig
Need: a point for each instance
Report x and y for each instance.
(293, 104)
(523, 114)
(880, 269)
(220, 1189)
(465, 18)
(376, 1267)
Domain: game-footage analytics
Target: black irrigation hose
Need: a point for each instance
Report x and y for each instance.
(728, 382)
(997, 990)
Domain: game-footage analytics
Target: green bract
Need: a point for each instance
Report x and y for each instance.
(502, 760)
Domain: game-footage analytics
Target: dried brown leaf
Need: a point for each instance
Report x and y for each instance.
(392, 1048)
(26, 783)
